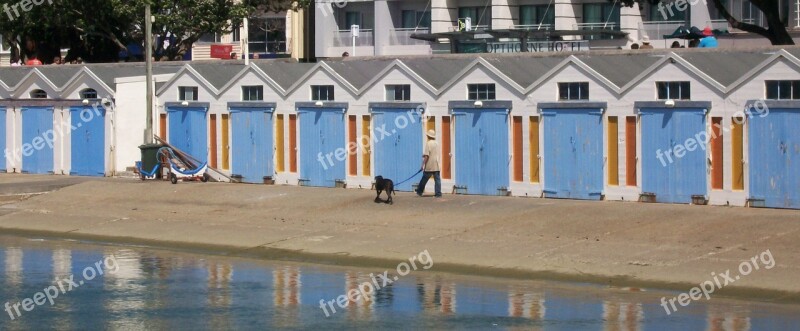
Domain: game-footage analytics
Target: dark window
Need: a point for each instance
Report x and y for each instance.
(89, 93)
(187, 93)
(38, 94)
(398, 92)
(480, 16)
(783, 89)
(253, 93)
(267, 35)
(534, 15)
(573, 91)
(481, 92)
(413, 19)
(600, 16)
(322, 93)
(673, 90)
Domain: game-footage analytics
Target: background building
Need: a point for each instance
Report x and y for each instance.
(386, 26)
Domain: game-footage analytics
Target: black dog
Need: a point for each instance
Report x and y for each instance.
(384, 184)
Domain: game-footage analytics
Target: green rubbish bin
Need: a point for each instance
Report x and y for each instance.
(150, 156)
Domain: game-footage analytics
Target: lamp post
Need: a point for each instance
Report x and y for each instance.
(148, 46)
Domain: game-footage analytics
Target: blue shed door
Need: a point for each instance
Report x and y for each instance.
(481, 152)
(7, 152)
(251, 154)
(774, 154)
(674, 177)
(37, 136)
(397, 156)
(88, 141)
(573, 153)
(188, 131)
(321, 135)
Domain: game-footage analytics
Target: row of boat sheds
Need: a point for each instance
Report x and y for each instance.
(684, 126)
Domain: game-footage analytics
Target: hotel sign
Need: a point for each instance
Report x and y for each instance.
(538, 46)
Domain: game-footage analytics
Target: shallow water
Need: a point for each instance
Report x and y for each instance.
(144, 288)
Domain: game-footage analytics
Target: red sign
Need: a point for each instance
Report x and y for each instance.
(221, 51)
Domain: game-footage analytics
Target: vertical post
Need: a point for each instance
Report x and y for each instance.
(148, 46)
(246, 41)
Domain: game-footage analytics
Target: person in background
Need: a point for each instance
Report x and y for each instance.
(675, 44)
(635, 46)
(646, 43)
(693, 43)
(430, 166)
(709, 41)
(345, 54)
(234, 56)
(33, 61)
(57, 60)
(255, 56)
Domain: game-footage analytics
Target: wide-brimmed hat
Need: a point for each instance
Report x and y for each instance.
(646, 40)
(707, 32)
(431, 134)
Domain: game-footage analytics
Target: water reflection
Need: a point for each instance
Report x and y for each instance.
(161, 290)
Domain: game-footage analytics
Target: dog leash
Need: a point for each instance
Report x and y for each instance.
(409, 178)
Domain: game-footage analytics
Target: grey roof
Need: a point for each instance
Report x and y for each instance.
(524, 70)
(59, 75)
(284, 73)
(794, 51)
(109, 72)
(620, 69)
(359, 72)
(725, 67)
(218, 73)
(11, 76)
(438, 71)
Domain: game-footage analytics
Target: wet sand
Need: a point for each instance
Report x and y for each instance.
(621, 244)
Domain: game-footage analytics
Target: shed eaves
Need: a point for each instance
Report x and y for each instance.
(108, 73)
(725, 67)
(59, 75)
(619, 69)
(437, 71)
(217, 73)
(284, 73)
(13, 75)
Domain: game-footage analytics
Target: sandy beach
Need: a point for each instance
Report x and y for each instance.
(620, 244)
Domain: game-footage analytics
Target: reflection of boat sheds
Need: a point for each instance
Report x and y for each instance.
(527, 305)
(727, 321)
(126, 279)
(62, 263)
(219, 293)
(286, 284)
(622, 315)
(363, 308)
(128, 265)
(438, 297)
(14, 266)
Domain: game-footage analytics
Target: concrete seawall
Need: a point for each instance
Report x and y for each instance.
(621, 244)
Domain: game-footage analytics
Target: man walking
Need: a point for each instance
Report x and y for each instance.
(430, 165)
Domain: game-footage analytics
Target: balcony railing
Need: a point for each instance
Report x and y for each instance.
(657, 30)
(343, 38)
(402, 36)
(533, 27)
(596, 26)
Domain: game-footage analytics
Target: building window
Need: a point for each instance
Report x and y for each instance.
(573, 91)
(664, 13)
(267, 35)
(187, 93)
(783, 89)
(481, 92)
(600, 16)
(481, 16)
(236, 34)
(673, 90)
(88, 93)
(322, 93)
(210, 38)
(534, 16)
(413, 19)
(398, 92)
(252, 93)
(38, 94)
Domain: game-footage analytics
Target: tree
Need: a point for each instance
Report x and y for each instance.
(776, 26)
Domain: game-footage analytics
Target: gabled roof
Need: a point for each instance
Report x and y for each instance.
(619, 69)
(524, 70)
(359, 72)
(725, 67)
(218, 74)
(12, 76)
(284, 73)
(59, 75)
(438, 71)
